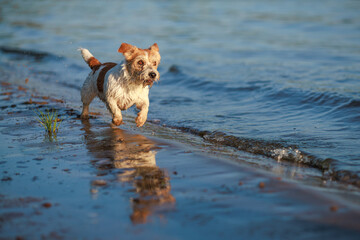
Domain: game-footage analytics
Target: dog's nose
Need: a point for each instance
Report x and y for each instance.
(152, 74)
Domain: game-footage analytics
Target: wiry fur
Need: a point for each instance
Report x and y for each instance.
(124, 84)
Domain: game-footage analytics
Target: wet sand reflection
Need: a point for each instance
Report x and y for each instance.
(135, 155)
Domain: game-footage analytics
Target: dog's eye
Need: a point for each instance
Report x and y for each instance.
(140, 62)
(154, 63)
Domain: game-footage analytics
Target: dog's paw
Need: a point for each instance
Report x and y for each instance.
(117, 121)
(140, 120)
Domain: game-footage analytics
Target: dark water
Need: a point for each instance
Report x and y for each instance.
(274, 78)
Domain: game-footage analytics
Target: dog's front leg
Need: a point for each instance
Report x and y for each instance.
(142, 115)
(115, 111)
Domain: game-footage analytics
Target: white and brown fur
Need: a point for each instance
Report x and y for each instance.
(122, 85)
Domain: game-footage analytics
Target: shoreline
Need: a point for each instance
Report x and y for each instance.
(289, 161)
(96, 181)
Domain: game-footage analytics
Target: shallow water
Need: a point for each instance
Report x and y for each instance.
(96, 181)
(278, 79)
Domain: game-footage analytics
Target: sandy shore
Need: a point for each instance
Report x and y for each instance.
(95, 181)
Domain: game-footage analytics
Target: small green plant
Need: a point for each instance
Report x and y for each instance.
(49, 119)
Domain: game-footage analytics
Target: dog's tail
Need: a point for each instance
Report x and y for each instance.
(89, 58)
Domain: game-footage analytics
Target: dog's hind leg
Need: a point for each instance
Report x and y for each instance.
(85, 111)
(87, 95)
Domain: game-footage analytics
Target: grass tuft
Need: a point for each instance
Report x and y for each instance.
(49, 120)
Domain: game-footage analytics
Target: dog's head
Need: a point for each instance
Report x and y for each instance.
(142, 64)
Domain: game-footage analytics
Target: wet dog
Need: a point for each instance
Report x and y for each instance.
(122, 85)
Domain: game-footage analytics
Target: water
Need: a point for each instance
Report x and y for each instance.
(279, 78)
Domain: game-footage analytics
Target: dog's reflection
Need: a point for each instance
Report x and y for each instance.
(134, 154)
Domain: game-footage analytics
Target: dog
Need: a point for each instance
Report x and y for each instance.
(120, 86)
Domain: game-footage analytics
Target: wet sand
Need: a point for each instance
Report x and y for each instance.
(96, 181)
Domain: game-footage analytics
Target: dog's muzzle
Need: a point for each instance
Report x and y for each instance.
(152, 78)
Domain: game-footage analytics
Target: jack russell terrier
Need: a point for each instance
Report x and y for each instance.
(122, 85)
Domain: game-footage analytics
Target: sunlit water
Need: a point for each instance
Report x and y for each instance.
(276, 78)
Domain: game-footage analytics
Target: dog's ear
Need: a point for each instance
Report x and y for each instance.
(127, 50)
(154, 47)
